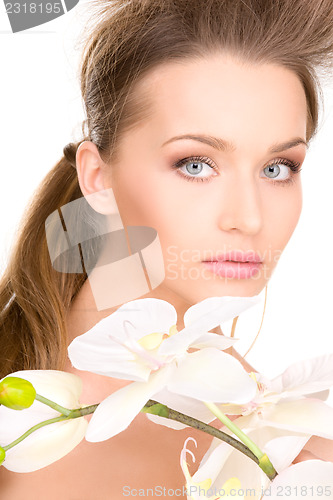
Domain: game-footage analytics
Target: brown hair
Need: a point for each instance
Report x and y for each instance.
(122, 42)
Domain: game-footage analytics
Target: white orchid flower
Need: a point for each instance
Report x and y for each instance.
(203, 489)
(51, 442)
(223, 466)
(293, 400)
(140, 342)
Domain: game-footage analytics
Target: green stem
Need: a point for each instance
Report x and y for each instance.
(264, 462)
(236, 430)
(247, 447)
(33, 429)
(52, 404)
(76, 413)
(81, 412)
(208, 429)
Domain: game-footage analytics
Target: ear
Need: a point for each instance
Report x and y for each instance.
(94, 182)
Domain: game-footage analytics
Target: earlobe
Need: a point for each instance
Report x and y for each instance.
(93, 180)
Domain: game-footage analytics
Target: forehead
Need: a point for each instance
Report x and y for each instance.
(222, 96)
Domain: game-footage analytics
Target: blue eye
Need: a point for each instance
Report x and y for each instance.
(286, 167)
(200, 168)
(273, 171)
(195, 168)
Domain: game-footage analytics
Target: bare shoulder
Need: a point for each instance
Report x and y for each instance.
(321, 448)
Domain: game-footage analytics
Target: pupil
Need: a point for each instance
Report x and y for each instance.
(194, 168)
(271, 169)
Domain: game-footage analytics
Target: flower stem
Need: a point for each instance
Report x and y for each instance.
(81, 412)
(208, 429)
(33, 429)
(75, 413)
(236, 430)
(263, 460)
(248, 448)
(52, 404)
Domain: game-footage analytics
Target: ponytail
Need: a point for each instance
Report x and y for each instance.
(34, 297)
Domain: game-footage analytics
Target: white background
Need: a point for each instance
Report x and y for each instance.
(41, 111)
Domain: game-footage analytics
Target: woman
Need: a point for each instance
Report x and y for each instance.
(199, 115)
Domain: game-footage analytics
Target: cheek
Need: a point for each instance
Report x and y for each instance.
(160, 202)
(145, 203)
(282, 214)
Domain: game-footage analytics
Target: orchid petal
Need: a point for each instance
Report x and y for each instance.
(306, 377)
(212, 375)
(313, 477)
(235, 464)
(46, 445)
(200, 484)
(116, 412)
(95, 351)
(213, 311)
(204, 316)
(309, 416)
(148, 315)
(111, 346)
(284, 449)
(213, 461)
(49, 443)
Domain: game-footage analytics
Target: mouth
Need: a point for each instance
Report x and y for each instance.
(237, 265)
(237, 257)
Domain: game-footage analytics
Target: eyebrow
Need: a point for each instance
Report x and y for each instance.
(226, 146)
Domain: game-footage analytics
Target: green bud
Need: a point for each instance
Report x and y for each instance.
(2, 455)
(157, 409)
(17, 393)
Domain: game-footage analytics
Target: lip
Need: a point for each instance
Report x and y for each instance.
(237, 256)
(235, 264)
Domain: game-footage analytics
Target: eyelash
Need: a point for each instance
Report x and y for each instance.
(294, 167)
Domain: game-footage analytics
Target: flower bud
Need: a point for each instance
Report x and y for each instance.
(2, 455)
(16, 393)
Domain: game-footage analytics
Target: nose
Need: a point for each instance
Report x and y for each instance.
(241, 208)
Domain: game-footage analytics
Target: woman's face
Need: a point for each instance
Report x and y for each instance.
(243, 197)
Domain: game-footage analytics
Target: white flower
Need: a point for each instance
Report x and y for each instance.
(140, 342)
(51, 442)
(293, 400)
(223, 464)
(204, 489)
